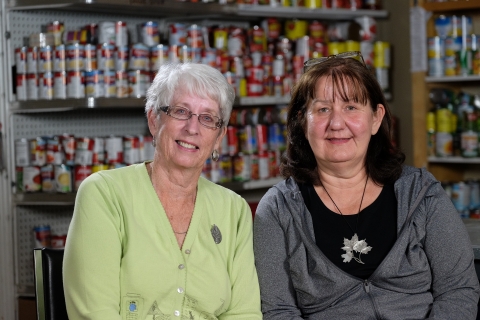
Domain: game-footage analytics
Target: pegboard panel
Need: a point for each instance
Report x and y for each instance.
(27, 217)
(82, 122)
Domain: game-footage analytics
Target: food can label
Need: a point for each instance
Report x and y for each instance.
(63, 178)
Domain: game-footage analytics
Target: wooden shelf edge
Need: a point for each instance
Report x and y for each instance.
(451, 5)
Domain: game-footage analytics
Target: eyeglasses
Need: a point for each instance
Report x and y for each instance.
(357, 55)
(182, 113)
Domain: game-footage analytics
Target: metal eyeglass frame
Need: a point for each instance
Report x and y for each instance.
(344, 55)
(167, 109)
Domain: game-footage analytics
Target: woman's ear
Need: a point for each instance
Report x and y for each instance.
(152, 121)
(377, 118)
(221, 134)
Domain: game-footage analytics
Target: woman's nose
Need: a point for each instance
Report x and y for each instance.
(191, 125)
(336, 120)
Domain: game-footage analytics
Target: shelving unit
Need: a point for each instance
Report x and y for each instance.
(101, 116)
(449, 168)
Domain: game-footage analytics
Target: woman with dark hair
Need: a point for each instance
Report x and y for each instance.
(353, 233)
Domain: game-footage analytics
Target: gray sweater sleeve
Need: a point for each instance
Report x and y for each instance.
(271, 259)
(455, 285)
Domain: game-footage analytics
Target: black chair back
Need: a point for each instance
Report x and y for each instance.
(49, 294)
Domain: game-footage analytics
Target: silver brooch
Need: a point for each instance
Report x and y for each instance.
(216, 234)
(354, 245)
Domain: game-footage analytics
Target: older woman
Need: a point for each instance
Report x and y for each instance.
(352, 233)
(155, 240)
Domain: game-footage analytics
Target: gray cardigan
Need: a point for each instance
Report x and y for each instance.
(428, 274)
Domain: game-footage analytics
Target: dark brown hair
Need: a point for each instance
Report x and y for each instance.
(383, 160)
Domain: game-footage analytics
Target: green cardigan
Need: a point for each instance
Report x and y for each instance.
(122, 260)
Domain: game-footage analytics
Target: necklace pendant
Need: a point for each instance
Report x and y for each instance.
(353, 246)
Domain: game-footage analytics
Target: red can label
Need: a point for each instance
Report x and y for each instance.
(81, 173)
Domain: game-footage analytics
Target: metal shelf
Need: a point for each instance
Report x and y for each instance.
(459, 160)
(33, 106)
(452, 79)
(306, 13)
(72, 104)
(451, 5)
(169, 8)
(44, 199)
(68, 199)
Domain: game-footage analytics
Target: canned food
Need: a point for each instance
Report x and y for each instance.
(75, 84)
(41, 236)
(273, 162)
(241, 167)
(121, 81)
(21, 59)
(158, 56)
(68, 147)
(149, 33)
(121, 34)
(75, 57)
(80, 174)
(46, 85)
(254, 170)
(114, 150)
(90, 57)
(148, 148)
(131, 149)
(58, 241)
(48, 178)
(138, 81)
(84, 151)
(106, 56)
(38, 151)
(121, 58)
(54, 151)
(177, 34)
(60, 85)
(98, 150)
(94, 84)
(32, 86)
(139, 57)
(63, 178)
(194, 36)
(32, 180)
(225, 168)
(56, 28)
(45, 59)
(22, 152)
(32, 59)
(21, 87)
(109, 80)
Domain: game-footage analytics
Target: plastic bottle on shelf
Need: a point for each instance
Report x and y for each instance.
(469, 136)
(431, 132)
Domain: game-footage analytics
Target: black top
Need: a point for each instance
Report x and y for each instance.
(377, 225)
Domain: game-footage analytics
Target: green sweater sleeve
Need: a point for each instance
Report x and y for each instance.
(245, 303)
(93, 251)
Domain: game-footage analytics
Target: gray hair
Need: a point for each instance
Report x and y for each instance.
(197, 79)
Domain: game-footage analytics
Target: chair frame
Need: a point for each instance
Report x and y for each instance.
(39, 286)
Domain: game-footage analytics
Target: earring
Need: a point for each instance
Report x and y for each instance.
(154, 143)
(215, 155)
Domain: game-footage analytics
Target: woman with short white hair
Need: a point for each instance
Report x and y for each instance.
(155, 239)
